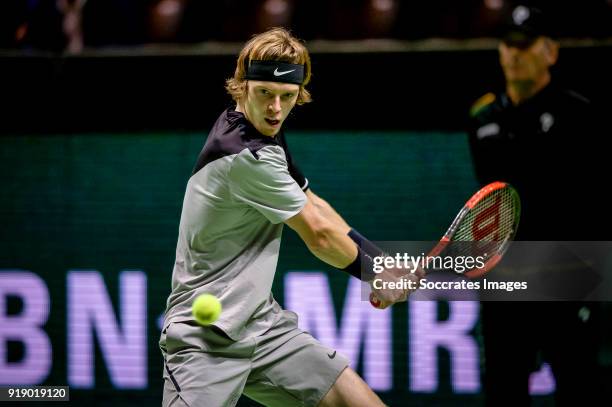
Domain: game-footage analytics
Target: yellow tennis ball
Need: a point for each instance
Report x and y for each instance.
(206, 309)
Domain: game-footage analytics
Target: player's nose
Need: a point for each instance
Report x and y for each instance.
(275, 105)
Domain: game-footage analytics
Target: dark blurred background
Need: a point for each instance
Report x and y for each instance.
(53, 25)
(81, 65)
(106, 104)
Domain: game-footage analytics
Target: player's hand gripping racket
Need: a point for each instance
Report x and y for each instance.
(487, 223)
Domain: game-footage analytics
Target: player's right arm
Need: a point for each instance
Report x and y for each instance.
(325, 236)
(326, 210)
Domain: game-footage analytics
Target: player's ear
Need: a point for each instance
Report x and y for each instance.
(245, 92)
(551, 49)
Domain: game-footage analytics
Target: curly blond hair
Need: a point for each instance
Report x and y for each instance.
(276, 44)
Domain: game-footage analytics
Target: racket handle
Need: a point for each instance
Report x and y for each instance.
(375, 302)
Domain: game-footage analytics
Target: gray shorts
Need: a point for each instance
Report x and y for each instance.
(283, 367)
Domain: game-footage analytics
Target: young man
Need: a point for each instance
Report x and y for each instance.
(540, 138)
(243, 188)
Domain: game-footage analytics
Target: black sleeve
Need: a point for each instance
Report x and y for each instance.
(294, 170)
(298, 176)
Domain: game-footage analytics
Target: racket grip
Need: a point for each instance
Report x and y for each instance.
(375, 302)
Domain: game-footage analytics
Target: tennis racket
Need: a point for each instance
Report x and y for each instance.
(487, 223)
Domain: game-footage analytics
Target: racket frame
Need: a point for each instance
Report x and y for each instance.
(448, 236)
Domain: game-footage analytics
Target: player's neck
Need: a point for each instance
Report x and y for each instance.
(520, 91)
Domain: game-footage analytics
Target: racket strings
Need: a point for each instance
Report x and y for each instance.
(486, 226)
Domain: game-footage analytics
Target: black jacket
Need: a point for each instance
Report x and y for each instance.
(549, 149)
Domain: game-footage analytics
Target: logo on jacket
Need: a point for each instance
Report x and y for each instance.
(491, 129)
(546, 120)
(520, 14)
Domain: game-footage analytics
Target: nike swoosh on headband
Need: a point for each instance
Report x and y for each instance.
(277, 73)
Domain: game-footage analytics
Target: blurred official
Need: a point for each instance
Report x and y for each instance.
(542, 139)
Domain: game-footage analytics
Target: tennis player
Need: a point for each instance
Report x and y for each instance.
(244, 187)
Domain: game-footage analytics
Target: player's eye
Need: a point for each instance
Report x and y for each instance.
(288, 95)
(264, 92)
